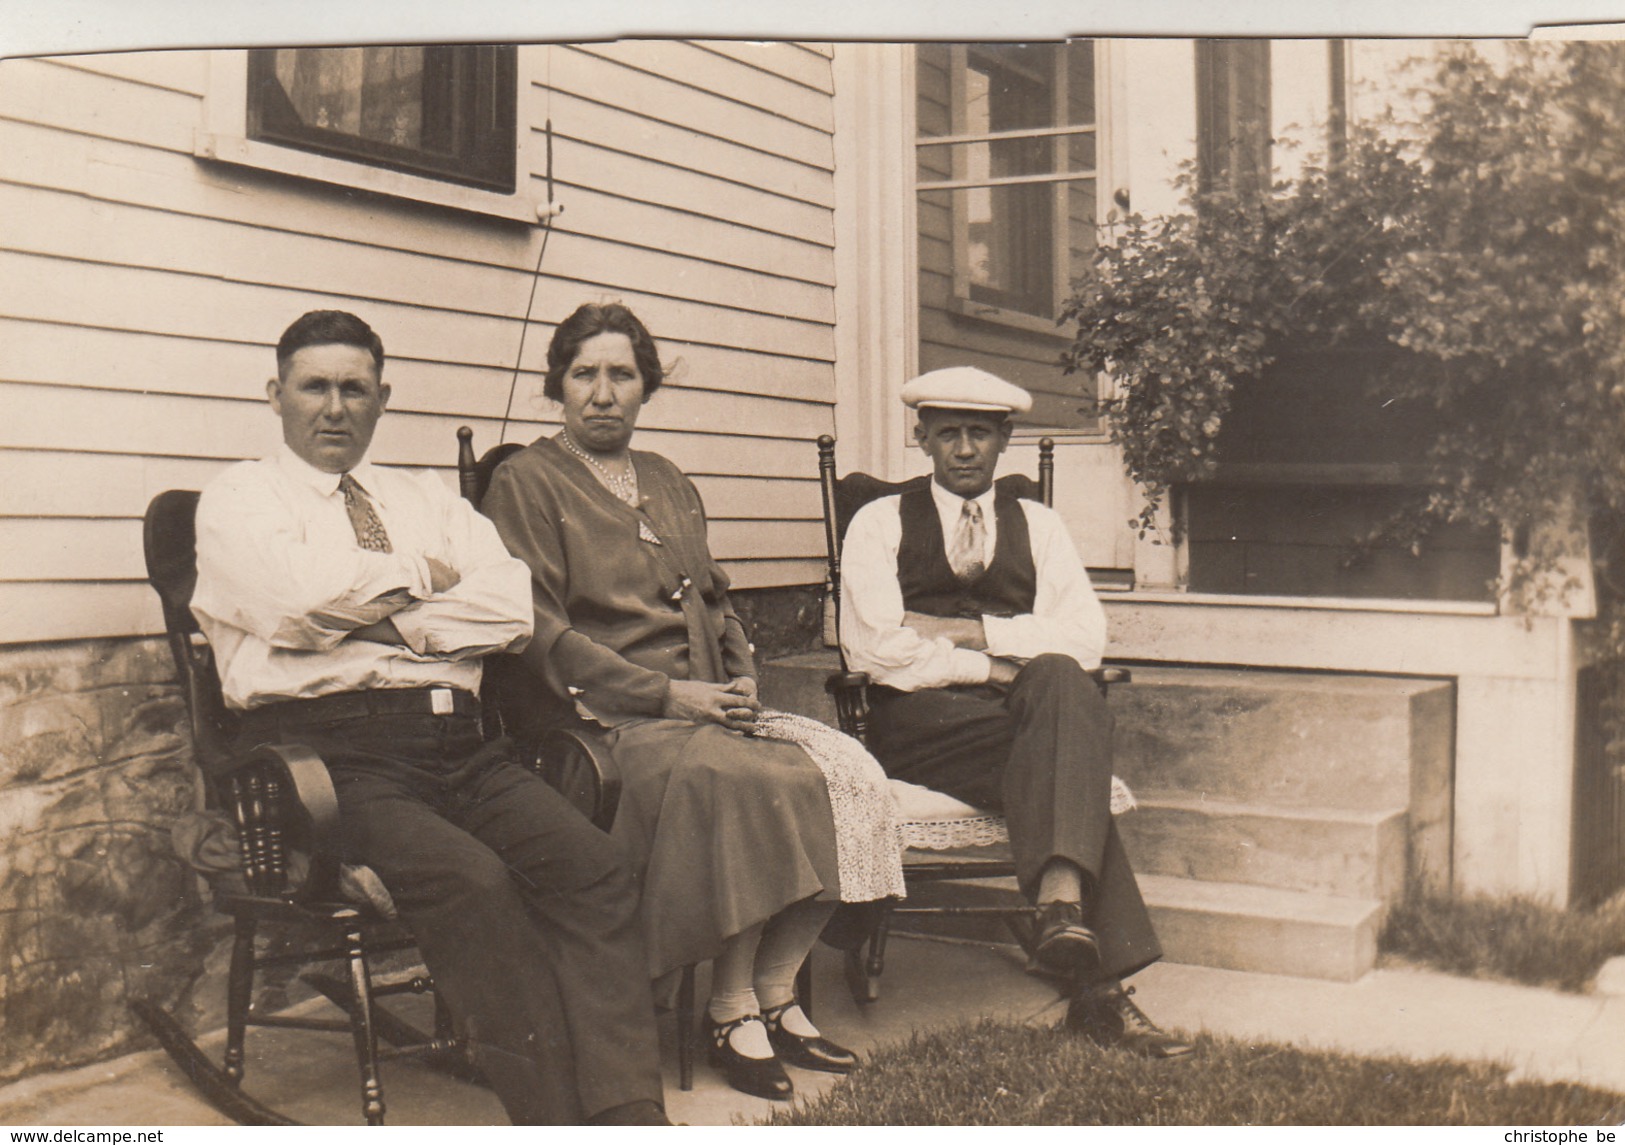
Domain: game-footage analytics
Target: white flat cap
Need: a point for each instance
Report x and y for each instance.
(966, 387)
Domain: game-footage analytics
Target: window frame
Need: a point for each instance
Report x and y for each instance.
(224, 136)
(1235, 143)
(962, 301)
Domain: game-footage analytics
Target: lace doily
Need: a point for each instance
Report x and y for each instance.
(868, 844)
(932, 821)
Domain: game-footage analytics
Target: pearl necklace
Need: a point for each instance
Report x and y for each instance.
(623, 485)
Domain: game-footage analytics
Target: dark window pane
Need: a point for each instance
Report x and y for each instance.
(1011, 255)
(1233, 113)
(444, 112)
(1008, 87)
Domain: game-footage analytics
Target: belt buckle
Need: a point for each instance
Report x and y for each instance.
(441, 701)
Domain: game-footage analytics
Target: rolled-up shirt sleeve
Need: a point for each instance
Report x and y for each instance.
(1067, 617)
(872, 631)
(257, 573)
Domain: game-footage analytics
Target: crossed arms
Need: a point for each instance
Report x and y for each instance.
(271, 568)
(911, 651)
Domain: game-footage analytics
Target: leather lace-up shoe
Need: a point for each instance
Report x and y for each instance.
(1063, 945)
(803, 1052)
(1109, 1018)
(759, 1077)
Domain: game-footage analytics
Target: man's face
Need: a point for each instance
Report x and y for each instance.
(329, 398)
(964, 447)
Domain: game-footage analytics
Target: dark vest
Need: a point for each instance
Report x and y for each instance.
(1006, 588)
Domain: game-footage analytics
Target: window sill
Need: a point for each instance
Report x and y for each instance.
(250, 153)
(962, 307)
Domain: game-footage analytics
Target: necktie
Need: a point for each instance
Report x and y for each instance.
(369, 530)
(965, 555)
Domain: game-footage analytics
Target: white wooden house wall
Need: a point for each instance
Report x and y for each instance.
(141, 291)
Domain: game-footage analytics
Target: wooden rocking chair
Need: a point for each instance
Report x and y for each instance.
(933, 823)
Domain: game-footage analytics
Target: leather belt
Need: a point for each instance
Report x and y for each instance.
(358, 705)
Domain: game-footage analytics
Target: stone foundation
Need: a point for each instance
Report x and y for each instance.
(95, 763)
(781, 621)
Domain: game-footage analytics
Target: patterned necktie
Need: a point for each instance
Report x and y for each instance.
(369, 530)
(965, 555)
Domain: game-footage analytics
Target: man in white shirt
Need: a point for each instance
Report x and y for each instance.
(349, 606)
(975, 620)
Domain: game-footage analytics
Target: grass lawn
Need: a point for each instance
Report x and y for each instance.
(1008, 1074)
(1515, 939)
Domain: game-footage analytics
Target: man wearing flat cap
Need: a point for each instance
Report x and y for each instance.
(975, 620)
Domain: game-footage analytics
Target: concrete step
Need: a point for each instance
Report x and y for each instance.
(1292, 739)
(1328, 850)
(1283, 739)
(1228, 925)
(1239, 927)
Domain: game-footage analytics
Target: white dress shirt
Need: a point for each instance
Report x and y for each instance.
(1066, 618)
(282, 583)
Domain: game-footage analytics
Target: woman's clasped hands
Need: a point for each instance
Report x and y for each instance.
(733, 705)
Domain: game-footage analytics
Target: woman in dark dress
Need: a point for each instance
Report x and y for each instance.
(734, 834)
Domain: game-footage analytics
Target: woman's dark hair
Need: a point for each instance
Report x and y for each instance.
(327, 328)
(589, 321)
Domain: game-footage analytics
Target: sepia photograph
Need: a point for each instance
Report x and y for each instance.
(1031, 572)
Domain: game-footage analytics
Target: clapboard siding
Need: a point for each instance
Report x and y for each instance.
(183, 71)
(112, 171)
(74, 226)
(139, 305)
(36, 611)
(109, 294)
(66, 354)
(66, 485)
(97, 105)
(58, 483)
(65, 549)
(750, 82)
(169, 425)
(800, 63)
(698, 193)
(722, 77)
(70, 549)
(618, 129)
(626, 221)
(618, 75)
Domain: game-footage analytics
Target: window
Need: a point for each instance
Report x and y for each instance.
(1006, 150)
(1233, 114)
(439, 124)
(1012, 165)
(445, 112)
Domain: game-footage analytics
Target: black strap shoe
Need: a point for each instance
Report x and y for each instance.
(1109, 1018)
(1063, 944)
(759, 1077)
(816, 1052)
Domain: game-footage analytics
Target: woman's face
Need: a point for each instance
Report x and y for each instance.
(603, 393)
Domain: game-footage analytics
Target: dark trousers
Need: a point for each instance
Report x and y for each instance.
(1040, 752)
(523, 911)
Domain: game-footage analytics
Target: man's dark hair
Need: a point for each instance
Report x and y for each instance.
(328, 328)
(589, 321)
